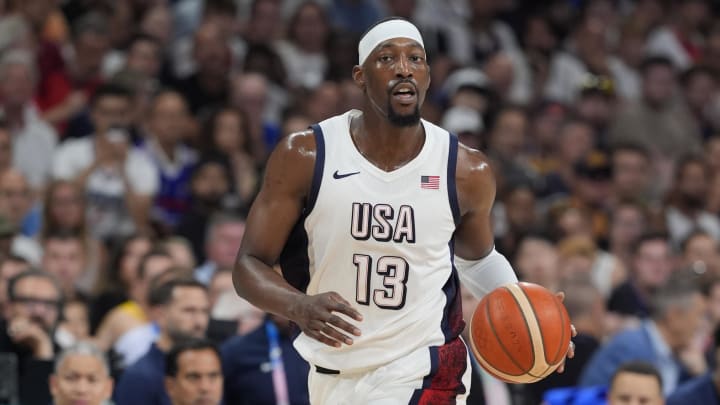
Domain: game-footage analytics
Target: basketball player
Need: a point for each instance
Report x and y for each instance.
(370, 213)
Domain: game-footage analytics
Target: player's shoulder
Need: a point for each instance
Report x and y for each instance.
(473, 165)
(301, 142)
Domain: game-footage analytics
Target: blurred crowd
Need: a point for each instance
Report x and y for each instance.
(134, 133)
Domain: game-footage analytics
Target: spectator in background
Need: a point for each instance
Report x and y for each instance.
(354, 16)
(536, 261)
(63, 211)
(681, 40)
(222, 241)
(466, 123)
(704, 389)
(658, 121)
(250, 364)
(250, 92)
(591, 192)
(127, 329)
(631, 172)
(628, 222)
(596, 104)
(181, 310)
(265, 23)
(685, 208)
(167, 123)
(28, 331)
(64, 256)
(207, 87)
(209, 188)
(118, 178)
(76, 319)
(507, 136)
(63, 94)
(82, 376)
(678, 308)
(33, 140)
(650, 270)
(574, 141)
(193, 374)
(303, 51)
(120, 274)
(143, 56)
(17, 203)
(180, 250)
(586, 308)
(699, 87)
(227, 134)
(10, 266)
(516, 217)
(630, 54)
(701, 253)
(6, 157)
(636, 382)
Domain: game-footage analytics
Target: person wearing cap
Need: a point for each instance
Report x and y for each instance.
(390, 211)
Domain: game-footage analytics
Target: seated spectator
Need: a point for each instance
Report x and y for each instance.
(678, 308)
(686, 202)
(10, 266)
(636, 382)
(167, 126)
(127, 328)
(250, 364)
(28, 331)
(33, 140)
(224, 234)
(701, 253)
(650, 270)
(581, 257)
(193, 374)
(82, 376)
(181, 310)
(180, 250)
(701, 390)
(76, 319)
(17, 203)
(118, 178)
(209, 188)
(629, 220)
(64, 257)
(63, 212)
(536, 261)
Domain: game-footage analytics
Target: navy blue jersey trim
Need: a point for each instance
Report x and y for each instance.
(427, 380)
(319, 168)
(451, 170)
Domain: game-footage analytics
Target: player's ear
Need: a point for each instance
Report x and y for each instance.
(358, 75)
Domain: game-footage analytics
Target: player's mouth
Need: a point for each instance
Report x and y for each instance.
(404, 93)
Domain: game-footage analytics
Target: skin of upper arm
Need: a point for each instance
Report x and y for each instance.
(279, 203)
(475, 183)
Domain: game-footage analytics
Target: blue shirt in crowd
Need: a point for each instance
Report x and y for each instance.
(143, 382)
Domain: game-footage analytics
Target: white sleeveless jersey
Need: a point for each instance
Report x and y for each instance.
(383, 241)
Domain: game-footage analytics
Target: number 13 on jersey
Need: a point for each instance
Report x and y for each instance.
(392, 274)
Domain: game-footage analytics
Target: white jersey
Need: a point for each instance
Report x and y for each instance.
(383, 241)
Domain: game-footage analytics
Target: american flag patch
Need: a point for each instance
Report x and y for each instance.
(430, 182)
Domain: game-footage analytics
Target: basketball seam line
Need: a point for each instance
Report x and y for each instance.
(529, 333)
(537, 321)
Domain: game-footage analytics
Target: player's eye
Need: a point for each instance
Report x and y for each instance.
(385, 58)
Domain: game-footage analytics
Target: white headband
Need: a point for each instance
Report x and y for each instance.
(396, 28)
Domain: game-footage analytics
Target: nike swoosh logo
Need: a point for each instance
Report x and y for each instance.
(337, 175)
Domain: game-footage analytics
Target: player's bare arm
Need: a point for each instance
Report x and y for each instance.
(277, 208)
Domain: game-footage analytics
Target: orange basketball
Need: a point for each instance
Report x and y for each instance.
(520, 333)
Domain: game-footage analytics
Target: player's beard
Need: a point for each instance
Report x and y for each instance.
(406, 120)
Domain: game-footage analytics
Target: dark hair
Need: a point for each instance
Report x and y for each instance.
(637, 367)
(171, 358)
(156, 251)
(209, 147)
(655, 61)
(689, 160)
(696, 70)
(92, 22)
(224, 7)
(167, 91)
(110, 89)
(37, 274)
(143, 37)
(221, 218)
(295, 17)
(162, 293)
(648, 237)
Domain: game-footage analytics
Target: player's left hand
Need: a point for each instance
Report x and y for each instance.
(571, 349)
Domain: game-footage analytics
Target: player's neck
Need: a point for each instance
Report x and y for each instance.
(386, 145)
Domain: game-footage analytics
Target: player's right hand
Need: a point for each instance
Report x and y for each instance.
(317, 316)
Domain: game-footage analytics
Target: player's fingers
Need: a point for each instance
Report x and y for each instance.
(343, 325)
(571, 350)
(323, 339)
(561, 369)
(560, 295)
(346, 310)
(573, 330)
(335, 334)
